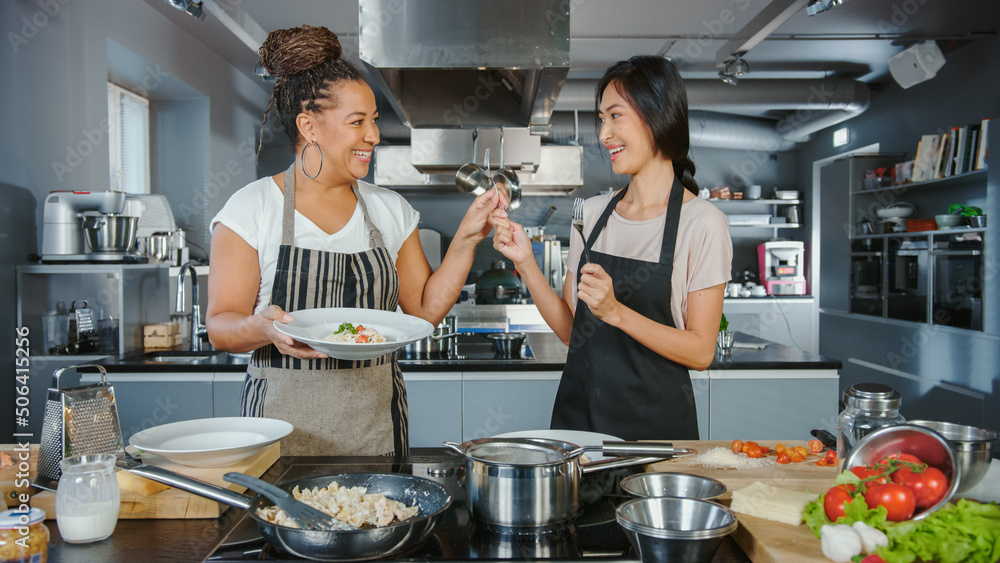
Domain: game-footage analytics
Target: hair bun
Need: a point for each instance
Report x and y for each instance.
(287, 52)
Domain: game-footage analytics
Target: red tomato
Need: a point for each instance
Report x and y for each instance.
(765, 449)
(783, 458)
(815, 446)
(873, 558)
(864, 472)
(748, 443)
(754, 451)
(897, 499)
(359, 328)
(900, 457)
(736, 446)
(796, 457)
(821, 463)
(831, 457)
(361, 339)
(928, 487)
(833, 502)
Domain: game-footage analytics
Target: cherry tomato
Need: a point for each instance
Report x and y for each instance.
(821, 463)
(815, 446)
(765, 449)
(801, 451)
(873, 558)
(833, 502)
(783, 458)
(831, 457)
(928, 487)
(747, 444)
(864, 473)
(754, 451)
(736, 446)
(796, 457)
(359, 328)
(780, 448)
(361, 339)
(897, 499)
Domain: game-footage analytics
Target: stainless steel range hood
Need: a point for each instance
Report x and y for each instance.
(463, 64)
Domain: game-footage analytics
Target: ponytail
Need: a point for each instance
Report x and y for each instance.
(684, 170)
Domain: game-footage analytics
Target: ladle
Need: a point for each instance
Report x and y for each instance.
(470, 178)
(506, 179)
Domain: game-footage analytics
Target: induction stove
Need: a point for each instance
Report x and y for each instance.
(594, 535)
(470, 346)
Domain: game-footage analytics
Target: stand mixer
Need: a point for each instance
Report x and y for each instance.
(87, 227)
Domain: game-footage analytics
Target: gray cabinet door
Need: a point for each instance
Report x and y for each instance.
(499, 402)
(147, 400)
(772, 405)
(226, 391)
(434, 402)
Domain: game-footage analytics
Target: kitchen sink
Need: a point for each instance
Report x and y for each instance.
(177, 356)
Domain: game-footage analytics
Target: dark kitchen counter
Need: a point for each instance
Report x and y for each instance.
(594, 536)
(547, 353)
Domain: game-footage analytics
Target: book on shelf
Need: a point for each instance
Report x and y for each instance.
(982, 151)
(923, 167)
(969, 158)
(948, 166)
(939, 156)
(963, 134)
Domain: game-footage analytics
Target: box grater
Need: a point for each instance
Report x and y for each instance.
(78, 421)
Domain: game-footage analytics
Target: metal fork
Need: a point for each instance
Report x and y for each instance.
(308, 517)
(578, 225)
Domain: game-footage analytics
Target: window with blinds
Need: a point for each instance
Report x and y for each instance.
(128, 134)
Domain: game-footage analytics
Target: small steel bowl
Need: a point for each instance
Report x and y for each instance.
(972, 449)
(678, 485)
(507, 344)
(675, 529)
(932, 448)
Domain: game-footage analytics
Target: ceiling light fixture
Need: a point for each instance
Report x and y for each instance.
(728, 78)
(192, 7)
(737, 66)
(817, 6)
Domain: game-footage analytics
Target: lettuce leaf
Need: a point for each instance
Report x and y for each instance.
(964, 531)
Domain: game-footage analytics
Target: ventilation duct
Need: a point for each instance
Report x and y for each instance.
(813, 104)
(462, 64)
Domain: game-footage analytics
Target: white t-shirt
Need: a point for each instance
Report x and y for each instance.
(254, 213)
(703, 255)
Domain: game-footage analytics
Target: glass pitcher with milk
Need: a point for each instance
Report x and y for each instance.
(87, 498)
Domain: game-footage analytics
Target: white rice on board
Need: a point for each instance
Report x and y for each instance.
(725, 458)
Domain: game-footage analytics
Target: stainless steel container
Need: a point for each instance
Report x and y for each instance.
(973, 449)
(507, 344)
(110, 232)
(675, 529)
(441, 342)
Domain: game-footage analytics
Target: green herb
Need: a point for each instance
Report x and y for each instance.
(724, 325)
(346, 327)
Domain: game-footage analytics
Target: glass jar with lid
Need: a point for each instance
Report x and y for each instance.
(868, 407)
(24, 538)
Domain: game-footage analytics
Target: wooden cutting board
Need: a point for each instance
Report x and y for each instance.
(765, 541)
(142, 498)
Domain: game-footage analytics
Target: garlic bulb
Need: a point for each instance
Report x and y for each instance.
(871, 538)
(840, 542)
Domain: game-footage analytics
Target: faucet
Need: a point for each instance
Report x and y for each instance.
(198, 329)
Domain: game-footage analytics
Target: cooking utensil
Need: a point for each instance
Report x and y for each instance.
(972, 448)
(532, 482)
(827, 439)
(470, 178)
(307, 517)
(669, 484)
(675, 529)
(110, 232)
(932, 448)
(506, 179)
(439, 342)
(78, 421)
(498, 286)
(578, 225)
(948, 221)
(507, 344)
(899, 209)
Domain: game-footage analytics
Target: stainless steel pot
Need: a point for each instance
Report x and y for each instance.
(440, 342)
(110, 232)
(522, 491)
(507, 344)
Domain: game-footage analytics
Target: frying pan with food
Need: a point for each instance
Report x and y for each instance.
(335, 545)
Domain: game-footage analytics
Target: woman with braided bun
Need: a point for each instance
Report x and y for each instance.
(317, 236)
(643, 293)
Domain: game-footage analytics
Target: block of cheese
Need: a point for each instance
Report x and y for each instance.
(770, 502)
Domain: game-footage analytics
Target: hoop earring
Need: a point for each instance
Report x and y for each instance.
(302, 159)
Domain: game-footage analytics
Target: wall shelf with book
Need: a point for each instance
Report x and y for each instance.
(974, 176)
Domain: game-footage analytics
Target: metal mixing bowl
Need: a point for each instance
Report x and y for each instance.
(972, 449)
(931, 447)
(675, 529)
(110, 232)
(507, 344)
(667, 484)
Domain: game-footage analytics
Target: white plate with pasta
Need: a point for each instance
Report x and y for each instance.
(336, 332)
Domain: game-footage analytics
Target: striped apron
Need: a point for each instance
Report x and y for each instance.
(338, 407)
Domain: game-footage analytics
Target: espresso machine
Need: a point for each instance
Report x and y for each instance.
(83, 226)
(782, 267)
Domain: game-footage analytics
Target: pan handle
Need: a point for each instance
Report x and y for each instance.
(193, 486)
(455, 446)
(619, 462)
(641, 449)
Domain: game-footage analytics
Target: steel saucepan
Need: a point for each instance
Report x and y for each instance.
(527, 482)
(507, 344)
(333, 545)
(440, 342)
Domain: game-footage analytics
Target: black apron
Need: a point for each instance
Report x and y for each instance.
(611, 383)
(338, 407)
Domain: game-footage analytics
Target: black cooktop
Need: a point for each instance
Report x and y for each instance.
(594, 535)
